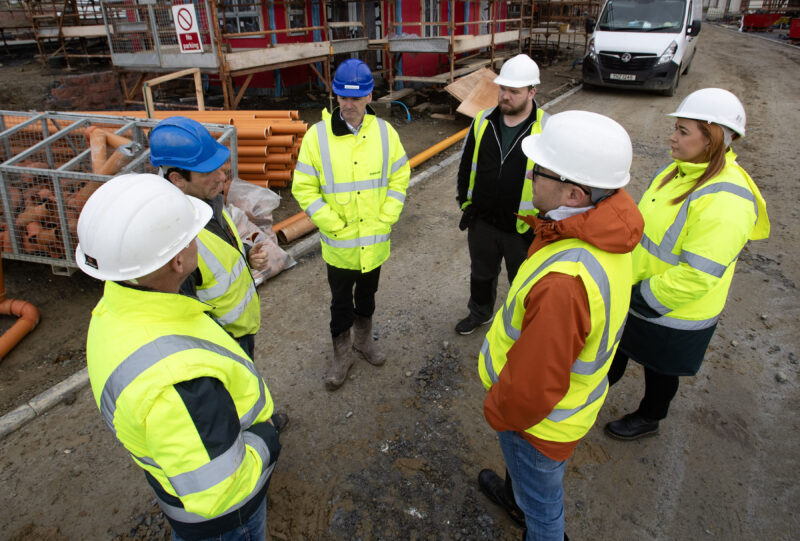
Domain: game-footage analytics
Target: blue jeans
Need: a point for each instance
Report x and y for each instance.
(255, 529)
(538, 487)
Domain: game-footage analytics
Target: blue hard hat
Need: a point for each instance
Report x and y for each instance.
(352, 79)
(185, 143)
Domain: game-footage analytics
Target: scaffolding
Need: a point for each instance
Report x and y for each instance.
(399, 39)
(500, 29)
(15, 22)
(562, 23)
(142, 38)
(76, 26)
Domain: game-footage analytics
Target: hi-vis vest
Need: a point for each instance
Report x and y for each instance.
(227, 283)
(687, 255)
(140, 344)
(353, 188)
(607, 279)
(526, 199)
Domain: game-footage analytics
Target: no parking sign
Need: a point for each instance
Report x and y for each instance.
(185, 19)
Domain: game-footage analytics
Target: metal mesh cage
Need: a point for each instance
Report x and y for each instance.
(53, 162)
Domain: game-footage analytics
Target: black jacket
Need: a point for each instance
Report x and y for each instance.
(498, 179)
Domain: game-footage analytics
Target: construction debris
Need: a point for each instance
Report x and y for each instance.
(476, 92)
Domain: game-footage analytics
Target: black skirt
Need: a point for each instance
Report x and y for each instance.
(672, 352)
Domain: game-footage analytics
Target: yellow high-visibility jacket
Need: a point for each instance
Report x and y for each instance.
(207, 457)
(607, 279)
(353, 188)
(526, 198)
(227, 283)
(687, 255)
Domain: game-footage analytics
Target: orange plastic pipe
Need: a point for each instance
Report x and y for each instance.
(288, 128)
(275, 114)
(97, 142)
(26, 312)
(252, 151)
(252, 167)
(251, 132)
(280, 140)
(299, 225)
(253, 176)
(32, 214)
(278, 158)
(438, 147)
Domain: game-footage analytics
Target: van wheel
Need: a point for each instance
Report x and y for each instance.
(689, 65)
(671, 90)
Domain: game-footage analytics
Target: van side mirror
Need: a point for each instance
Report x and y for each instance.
(589, 25)
(694, 29)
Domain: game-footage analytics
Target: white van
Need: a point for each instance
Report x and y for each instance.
(643, 44)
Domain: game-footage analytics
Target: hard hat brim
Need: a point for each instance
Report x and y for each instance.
(514, 84)
(533, 146)
(349, 93)
(221, 155)
(203, 213)
(705, 118)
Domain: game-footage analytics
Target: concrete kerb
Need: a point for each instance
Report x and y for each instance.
(45, 401)
(42, 402)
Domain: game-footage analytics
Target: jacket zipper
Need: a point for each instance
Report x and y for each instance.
(500, 146)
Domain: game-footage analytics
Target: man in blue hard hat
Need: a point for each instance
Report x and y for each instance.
(190, 158)
(351, 179)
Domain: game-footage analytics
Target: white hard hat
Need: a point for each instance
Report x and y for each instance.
(715, 105)
(586, 148)
(518, 72)
(134, 224)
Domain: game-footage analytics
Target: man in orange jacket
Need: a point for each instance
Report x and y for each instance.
(545, 358)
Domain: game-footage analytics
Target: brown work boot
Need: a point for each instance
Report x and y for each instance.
(341, 362)
(363, 342)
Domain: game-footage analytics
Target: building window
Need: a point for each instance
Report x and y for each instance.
(296, 18)
(241, 16)
(430, 14)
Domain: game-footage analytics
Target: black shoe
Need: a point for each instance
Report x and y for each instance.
(280, 420)
(469, 324)
(495, 489)
(631, 427)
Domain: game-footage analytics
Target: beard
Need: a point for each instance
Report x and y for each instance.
(509, 109)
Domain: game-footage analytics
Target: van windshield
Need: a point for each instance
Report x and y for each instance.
(643, 16)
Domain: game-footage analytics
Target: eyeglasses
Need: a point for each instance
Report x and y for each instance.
(537, 171)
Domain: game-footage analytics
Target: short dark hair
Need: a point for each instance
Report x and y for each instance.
(185, 173)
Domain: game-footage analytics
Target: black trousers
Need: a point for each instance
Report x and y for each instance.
(659, 389)
(345, 302)
(488, 246)
(248, 344)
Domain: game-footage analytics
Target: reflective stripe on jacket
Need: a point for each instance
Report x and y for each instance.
(140, 345)
(526, 198)
(607, 279)
(353, 188)
(687, 255)
(227, 284)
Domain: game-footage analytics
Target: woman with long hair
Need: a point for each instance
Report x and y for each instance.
(699, 212)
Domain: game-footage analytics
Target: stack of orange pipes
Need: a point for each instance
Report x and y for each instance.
(268, 141)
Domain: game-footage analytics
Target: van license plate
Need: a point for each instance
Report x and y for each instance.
(623, 76)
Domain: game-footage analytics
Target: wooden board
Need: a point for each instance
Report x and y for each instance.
(483, 96)
(462, 87)
(276, 55)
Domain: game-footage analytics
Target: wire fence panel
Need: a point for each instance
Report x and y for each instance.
(143, 35)
(53, 162)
